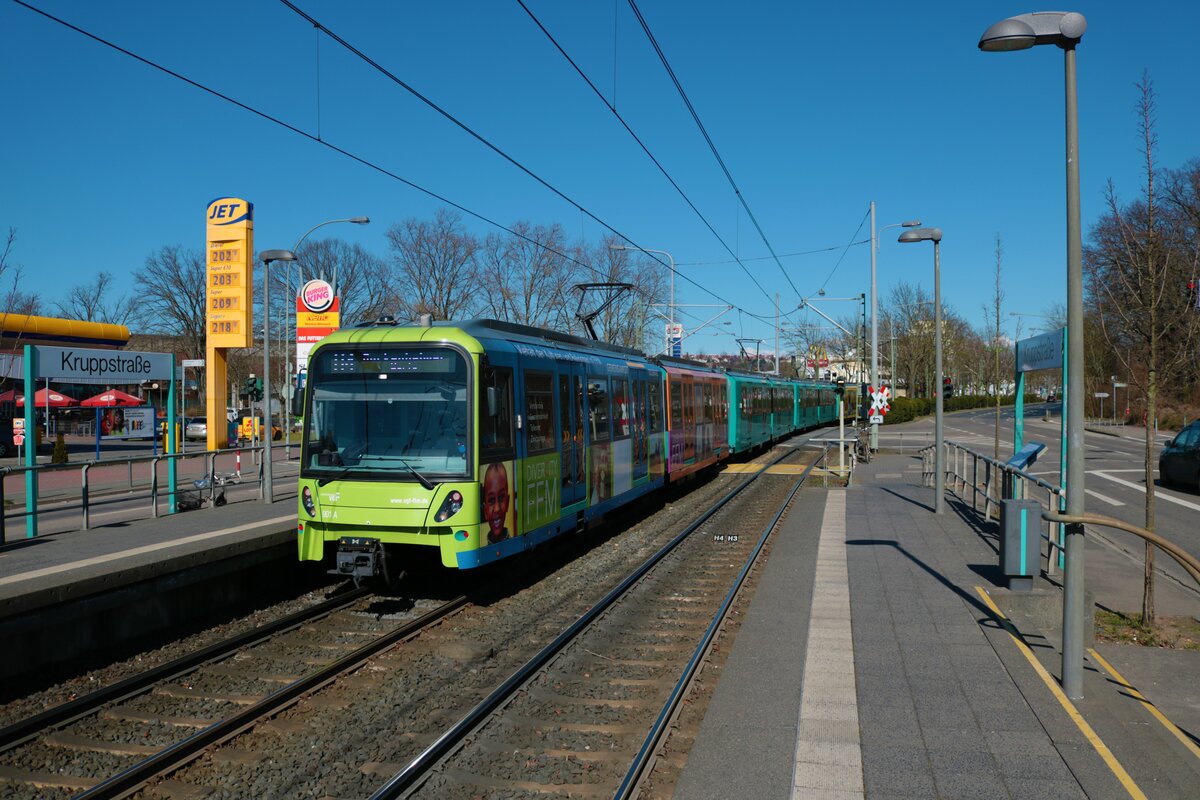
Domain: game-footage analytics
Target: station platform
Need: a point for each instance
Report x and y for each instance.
(876, 660)
(64, 596)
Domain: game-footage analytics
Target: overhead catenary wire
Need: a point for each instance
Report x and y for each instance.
(488, 143)
(612, 107)
(346, 153)
(768, 258)
(711, 145)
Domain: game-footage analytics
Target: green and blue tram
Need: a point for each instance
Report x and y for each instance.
(480, 440)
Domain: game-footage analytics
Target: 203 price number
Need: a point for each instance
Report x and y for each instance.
(729, 538)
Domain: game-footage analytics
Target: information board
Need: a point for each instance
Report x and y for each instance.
(229, 295)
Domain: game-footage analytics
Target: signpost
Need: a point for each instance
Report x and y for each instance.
(1100, 396)
(675, 339)
(82, 365)
(879, 404)
(1048, 351)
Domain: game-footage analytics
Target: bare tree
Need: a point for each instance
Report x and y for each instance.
(1137, 279)
(529, 276)
(14, 300)
(173, 284)
(361, 280)
(631, 321)
(94, 303)
(435, 270)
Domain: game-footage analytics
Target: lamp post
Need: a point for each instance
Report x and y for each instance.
(671, 304)
(288, 312)
(1064, 30)
(939, 477)
(874, 435)
(268, 256)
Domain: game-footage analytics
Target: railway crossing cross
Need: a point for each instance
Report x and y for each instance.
(879, 404)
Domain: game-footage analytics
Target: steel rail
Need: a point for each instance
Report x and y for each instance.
(125, 783)
(645, 755)
(419, 767)
(20, 732)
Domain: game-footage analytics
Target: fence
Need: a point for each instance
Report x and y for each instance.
(998, 481)
(117, 477)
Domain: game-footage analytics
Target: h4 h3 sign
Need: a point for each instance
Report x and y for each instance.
(879, 404)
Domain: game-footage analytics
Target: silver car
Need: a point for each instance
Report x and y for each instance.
(197, 428)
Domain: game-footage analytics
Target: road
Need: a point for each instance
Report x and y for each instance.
(1114, 474)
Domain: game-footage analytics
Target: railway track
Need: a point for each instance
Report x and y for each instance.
(198, 729)
(194, 701)
(586, 716)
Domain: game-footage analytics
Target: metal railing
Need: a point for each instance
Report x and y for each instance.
(1001, 481)
(115, 493)
(976, 478)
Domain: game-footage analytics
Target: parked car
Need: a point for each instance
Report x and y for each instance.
(197, 428)
(1051, 398)
(1179, 461)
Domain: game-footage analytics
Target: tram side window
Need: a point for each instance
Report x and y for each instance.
(496, 418)
(655, 403)
(564, 424)
(598, 408)
(676, 405)
(539, 407)
(622, 403)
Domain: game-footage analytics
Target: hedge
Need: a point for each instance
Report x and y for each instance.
(906, 409)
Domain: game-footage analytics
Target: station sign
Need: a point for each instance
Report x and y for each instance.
(1040, 352)
(229, 292)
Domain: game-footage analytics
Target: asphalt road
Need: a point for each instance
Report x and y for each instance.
(1114, 473)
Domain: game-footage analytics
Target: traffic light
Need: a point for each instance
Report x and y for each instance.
(947, 389)
(248, 387)
(841, 385)
(258, 389)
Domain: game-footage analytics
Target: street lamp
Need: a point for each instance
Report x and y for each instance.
(939, 477)
(1064, 30)
(266, 257)
(288, 312)
(913, 223)
(671, 305)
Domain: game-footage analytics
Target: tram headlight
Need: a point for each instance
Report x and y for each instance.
(450, 506)
(306, 499)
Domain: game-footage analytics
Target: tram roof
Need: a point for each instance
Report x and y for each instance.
(493, 328)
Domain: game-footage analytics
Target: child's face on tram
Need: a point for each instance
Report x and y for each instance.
(495, 501)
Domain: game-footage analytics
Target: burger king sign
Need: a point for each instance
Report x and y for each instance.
(316, 317)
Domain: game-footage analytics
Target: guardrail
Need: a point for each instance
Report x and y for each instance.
(1017, 484)
(154, 492)
(999, 481)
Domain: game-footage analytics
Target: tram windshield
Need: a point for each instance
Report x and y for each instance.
(386, 413)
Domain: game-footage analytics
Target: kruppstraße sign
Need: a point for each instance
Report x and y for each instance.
(102, 366)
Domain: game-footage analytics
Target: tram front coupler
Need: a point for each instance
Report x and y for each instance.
(360, 558)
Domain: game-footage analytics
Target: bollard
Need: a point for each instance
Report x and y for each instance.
(154, 488)
(238, 463)
(84, 496)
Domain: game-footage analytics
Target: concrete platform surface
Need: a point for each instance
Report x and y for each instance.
(873, 663)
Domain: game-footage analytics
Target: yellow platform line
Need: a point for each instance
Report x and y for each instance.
(752, 466)
(1127, 686)
(1100, 747)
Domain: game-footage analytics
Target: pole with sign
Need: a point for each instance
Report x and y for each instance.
(84, 365)
(229, 298)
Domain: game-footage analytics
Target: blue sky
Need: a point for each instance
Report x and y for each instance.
(817, 109)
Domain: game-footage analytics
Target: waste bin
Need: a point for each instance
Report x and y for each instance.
(1020, 542)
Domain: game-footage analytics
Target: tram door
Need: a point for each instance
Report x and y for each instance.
(571, 383)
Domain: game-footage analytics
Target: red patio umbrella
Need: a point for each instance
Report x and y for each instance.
(11, 396)
(113, 397)
(57, 400)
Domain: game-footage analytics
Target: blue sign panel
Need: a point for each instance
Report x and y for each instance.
(1040, 352)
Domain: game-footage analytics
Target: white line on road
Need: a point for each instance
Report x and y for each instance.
(1103, 497)
(1158, 493)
